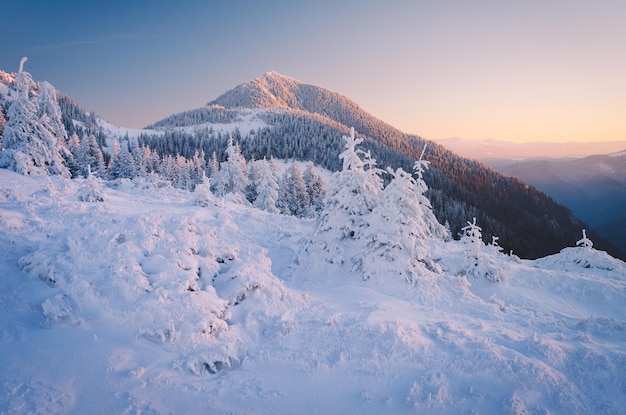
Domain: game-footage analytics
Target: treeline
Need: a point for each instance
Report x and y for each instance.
(77, 121)
(210, 114)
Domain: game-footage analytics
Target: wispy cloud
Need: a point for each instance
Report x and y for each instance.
(103, 40)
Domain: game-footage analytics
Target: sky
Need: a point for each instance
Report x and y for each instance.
(509, 70)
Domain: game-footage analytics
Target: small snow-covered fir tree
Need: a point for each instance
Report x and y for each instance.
(266, 187)
(293, 199)
(353, 194)
(435, 229)
(232, 176)
(2, 122)
(214, 165)
(398, 242)
(197, 167)
(90, 158)
(253, 175)
(315, 187)
(73, 145)
(183, 168)
(122, 165)
(34, 136)
(479, 263)
(169, 170)
(472, 234)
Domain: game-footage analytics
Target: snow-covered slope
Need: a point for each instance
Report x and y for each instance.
(162, 301)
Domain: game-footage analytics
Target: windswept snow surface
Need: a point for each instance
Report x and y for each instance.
(159, 301)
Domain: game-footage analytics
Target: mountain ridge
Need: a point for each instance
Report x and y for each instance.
(493, 152)
(289, 93)
(593, 187)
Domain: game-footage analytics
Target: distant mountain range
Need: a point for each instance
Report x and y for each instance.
(589, 177)
(593, 187)
(493, 152)
(278, 116)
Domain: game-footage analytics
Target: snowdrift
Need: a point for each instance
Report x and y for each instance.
(145, 300)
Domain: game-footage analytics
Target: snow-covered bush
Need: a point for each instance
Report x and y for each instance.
(90, 190)
(480, 260)
(203, 195)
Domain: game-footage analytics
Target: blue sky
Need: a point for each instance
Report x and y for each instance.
(518, 71)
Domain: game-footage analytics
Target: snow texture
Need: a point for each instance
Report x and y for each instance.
(155, 300)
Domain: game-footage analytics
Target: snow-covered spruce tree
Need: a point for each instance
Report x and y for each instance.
(183, 169)
(197, 167)
(397, 240)
(315, 187)
(2, 122)
(479, 263)
(90, 158)
(34, 136)
(168, 169)
(122, 165)
(214, 166)
(232, 176)
(73, 145)
(266, 187)
(147, 161)
(434, 228)
(353, 194)
(253, 175)
(293, 197)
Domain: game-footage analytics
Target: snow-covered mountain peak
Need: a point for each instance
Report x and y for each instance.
(274, 90)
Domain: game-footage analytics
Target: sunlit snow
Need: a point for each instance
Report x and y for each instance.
(149, 302)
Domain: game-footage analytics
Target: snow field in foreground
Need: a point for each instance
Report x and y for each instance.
(150, 303)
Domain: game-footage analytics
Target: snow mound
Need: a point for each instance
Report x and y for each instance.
(184, 280)
(578, 259)
(157, 300)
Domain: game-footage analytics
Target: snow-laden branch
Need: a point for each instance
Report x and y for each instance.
(22, 62)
